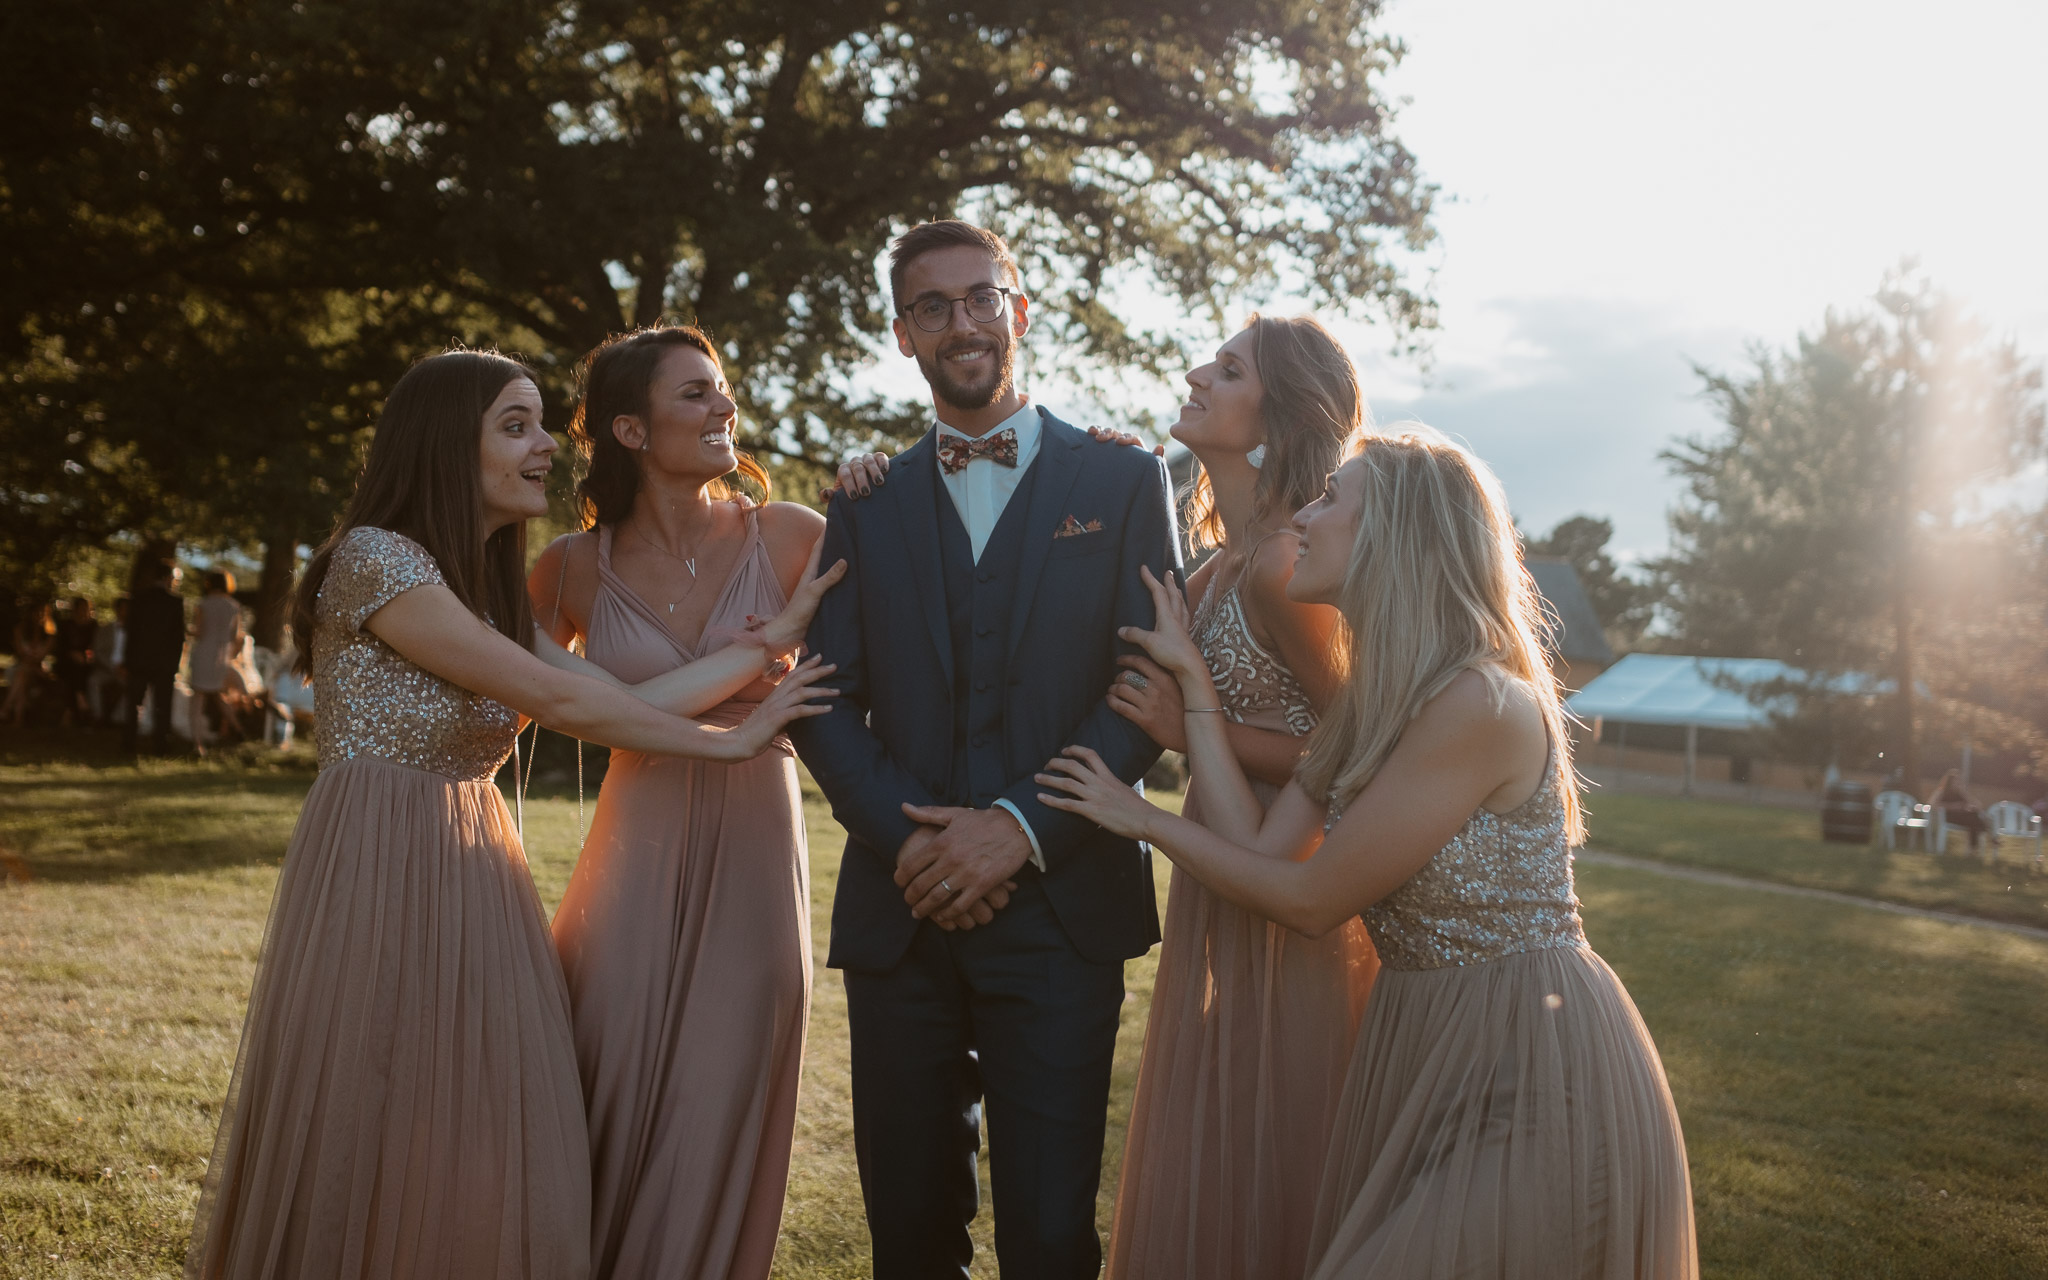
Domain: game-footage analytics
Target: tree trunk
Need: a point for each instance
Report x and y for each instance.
(274, 592)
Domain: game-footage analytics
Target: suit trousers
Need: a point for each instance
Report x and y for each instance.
(1010, 1012)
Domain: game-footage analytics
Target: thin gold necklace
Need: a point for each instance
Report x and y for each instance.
(689, 562)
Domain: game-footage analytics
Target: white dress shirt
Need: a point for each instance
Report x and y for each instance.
(980, 490)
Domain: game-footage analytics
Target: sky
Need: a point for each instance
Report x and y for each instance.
(1632, 187)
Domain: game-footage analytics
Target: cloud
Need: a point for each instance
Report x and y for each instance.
(1570, 401)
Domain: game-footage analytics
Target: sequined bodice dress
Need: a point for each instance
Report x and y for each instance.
(1506, 1113)
(1251, 1031)
(405, 1103)
(685, 936)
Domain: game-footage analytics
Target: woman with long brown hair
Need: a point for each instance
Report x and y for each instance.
(1506, 1113)
(1252, 1026)
(685, 930)
(405, 1103)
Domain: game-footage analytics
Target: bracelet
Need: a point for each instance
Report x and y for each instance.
(1197, 710)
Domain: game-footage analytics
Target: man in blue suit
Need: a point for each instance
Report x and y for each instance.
(982, 934)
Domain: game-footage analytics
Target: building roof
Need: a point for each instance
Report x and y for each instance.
(1574, 629)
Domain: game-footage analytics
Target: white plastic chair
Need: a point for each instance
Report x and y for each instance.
(1893, 811)
(2011, 820)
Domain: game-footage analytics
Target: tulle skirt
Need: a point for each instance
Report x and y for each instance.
(1251, 1033)
(405, 1104)
(1511, 1120)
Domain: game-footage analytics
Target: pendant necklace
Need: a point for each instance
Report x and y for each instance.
(689, 562)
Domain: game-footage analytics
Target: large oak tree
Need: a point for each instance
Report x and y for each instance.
(322, 190)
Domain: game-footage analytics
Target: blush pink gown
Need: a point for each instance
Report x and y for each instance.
(1251, 1032)
(405, 1102)
(685, 937)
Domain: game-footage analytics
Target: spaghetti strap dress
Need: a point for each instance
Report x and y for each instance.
(685, 935)
(1507, 1116)
(404, 1105)
(1250, 1034)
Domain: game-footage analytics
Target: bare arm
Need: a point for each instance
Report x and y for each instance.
(1299, 634)
(1461, 754)
(428, 626)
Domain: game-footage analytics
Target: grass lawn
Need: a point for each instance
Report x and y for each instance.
(1863, 1094)
(1785, 845)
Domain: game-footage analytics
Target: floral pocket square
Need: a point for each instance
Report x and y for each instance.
(1073, 528)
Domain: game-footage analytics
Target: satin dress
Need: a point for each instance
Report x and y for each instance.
(685, 935)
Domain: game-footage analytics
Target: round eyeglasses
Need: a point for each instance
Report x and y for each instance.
(932, 315)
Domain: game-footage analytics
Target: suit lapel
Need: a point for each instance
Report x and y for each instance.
(917, 521)
(1059, 466)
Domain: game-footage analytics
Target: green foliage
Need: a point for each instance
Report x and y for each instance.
(1849, 521)
(228, 228)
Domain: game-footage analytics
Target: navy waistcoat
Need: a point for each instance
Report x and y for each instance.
(979, 597)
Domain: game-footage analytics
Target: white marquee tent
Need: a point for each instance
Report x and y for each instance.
(1695, 693)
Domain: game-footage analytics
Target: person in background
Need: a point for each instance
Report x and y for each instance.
(1959, 808)
(109, 658)
(34, 636)
(76, 634)
(216, 639)
(156, 645)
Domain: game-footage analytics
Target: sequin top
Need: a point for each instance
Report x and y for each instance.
(1501, 887)
(369, 701)
(1256, 688)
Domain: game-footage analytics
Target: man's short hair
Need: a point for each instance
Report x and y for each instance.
(945, 233)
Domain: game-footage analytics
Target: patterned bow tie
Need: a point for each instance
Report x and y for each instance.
(956, 452)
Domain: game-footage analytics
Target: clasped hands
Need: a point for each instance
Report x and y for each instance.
(956, 868)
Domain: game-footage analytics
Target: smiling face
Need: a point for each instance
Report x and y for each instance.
(516, 456)
(1221, 416)
(1327, 529)
(690, 422)
(969, 365)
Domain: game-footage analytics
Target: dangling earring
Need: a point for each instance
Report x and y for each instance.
(1257, 457)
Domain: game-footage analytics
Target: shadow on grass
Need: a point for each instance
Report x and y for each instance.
(76, 808)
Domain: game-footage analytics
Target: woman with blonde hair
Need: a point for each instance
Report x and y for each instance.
(1506, 1112)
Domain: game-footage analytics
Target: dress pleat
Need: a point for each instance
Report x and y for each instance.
(406, 1102)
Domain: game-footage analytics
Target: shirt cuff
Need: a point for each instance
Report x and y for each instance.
(1037, 854)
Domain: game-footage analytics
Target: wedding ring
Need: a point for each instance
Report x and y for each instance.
(1135, 680)
(947, 887)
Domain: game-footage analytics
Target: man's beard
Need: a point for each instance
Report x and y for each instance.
(947, 386)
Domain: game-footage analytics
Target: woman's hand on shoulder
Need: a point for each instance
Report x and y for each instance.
(859, 476)
(1130, 440)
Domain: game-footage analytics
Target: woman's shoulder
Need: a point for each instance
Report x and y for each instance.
(789, 519)
(789, 529)
(371, 563)
(1488, 701)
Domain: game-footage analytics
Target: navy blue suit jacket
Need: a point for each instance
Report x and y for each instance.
(889, 736)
